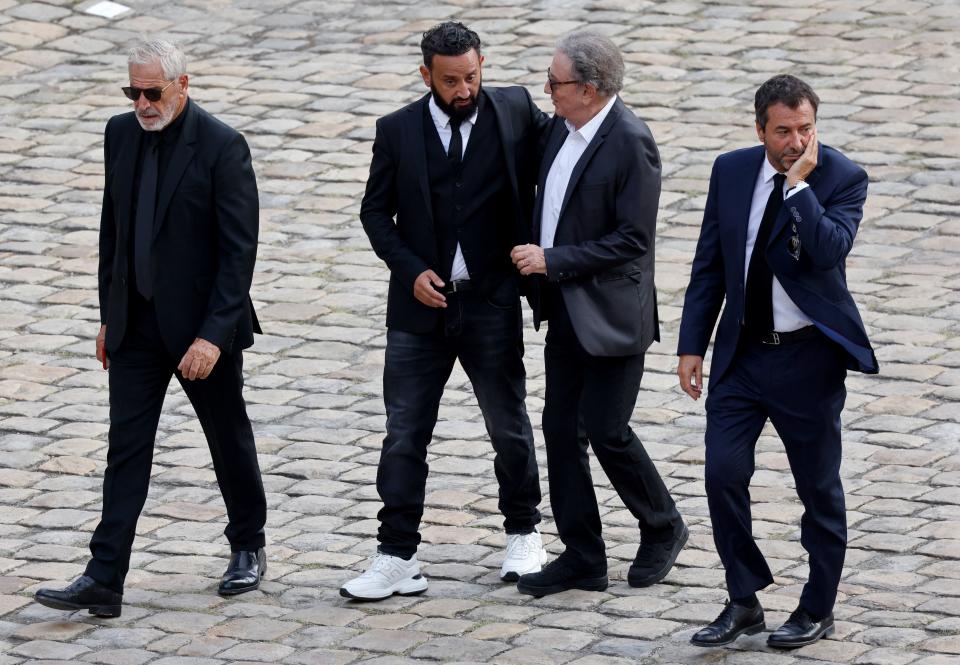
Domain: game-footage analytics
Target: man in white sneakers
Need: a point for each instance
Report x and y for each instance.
(450, 192)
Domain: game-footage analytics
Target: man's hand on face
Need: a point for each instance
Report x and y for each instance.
(805, 163)
(198, 361)
(101, 347)
(529, 259)
(424, 291)
(690, 371)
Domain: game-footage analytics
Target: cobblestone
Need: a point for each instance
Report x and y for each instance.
(305, 81)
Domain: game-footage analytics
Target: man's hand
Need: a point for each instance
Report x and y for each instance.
(424, 292)
(198, 361)
(101, 347)
(805, 163)
(529, 259)
(690, 371)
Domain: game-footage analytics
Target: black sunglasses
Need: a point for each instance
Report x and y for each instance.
(152, 94)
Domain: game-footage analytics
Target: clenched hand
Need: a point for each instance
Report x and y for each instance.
(198, 361)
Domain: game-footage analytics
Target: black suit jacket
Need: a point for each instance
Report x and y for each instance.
(396, 213)
(604, 245)
(204, 235)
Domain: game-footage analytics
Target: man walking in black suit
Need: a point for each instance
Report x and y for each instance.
(178, 241)
(779, 221)
(594, 222)
(449, 193)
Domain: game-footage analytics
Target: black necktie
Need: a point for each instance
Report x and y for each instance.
(758, 305)
(146, 208)
(455, 151)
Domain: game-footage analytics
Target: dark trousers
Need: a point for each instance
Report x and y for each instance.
(800, 387)
(485, 336)
(140, 371)
(589, 399)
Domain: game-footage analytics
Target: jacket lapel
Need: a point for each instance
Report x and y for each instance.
(781, 222)
(741, 200)
(179, 160)
(505, 125)
(415, 150)
(125, 170)
(612, 117)
(558, 135)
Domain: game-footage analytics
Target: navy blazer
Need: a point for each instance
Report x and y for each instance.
(826, 215)
(603, 249)
(204, 236)
(396, 210)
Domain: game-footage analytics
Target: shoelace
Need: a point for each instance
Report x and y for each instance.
(521, 546)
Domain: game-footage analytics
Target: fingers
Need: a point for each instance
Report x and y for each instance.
(424, 291)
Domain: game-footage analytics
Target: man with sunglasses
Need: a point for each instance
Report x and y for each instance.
(178, 241)
(593, 228)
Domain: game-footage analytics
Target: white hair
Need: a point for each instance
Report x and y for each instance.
(171, 59)
(596, 60)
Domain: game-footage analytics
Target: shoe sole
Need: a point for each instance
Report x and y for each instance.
(749, 630)
(411, 592)
(236, 592)
(796, 645)
(584, 584)
(514, 575)
(650, 581)
(102, 611)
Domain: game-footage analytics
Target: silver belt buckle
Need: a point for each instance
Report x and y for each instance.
(775, 339)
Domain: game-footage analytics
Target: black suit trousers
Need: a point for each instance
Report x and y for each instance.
(140, 372)
(800, 388)
(484, 334)
(589, 400)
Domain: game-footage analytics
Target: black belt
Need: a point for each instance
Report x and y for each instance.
(778, 338)
(456, 286)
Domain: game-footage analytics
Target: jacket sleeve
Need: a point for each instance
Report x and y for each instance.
(238, 219)
(108, 232)
(635, 207)
(826, 234)
(705, 292)
(377, 212)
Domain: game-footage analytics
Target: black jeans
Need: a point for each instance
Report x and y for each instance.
(589, 399)
(484, 335)
(140, 371)
(800, 388)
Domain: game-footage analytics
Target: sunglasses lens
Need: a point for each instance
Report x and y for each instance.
(133, 94)
(153, 94)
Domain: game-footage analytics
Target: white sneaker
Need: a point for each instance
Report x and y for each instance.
(386, 576)
(525, 554)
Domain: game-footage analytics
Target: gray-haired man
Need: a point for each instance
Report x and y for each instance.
(178, 241)
(594, 221)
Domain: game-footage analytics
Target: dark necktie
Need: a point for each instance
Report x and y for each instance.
(455, 151)
(146, 209)
(758, 305)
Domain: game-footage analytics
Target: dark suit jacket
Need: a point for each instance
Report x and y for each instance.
(826, 214)
(204, 236)
(604, 245)
(396, 213)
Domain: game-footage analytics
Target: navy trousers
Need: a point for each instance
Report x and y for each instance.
(799, 386)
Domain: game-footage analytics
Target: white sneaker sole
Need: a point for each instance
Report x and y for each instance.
(412, 586)
(513, 574)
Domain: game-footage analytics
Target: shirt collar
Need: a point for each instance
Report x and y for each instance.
(592, 126)
(767, 172)
(442, 120)
(171, 132)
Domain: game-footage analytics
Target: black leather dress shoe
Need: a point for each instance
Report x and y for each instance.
(560, 575)
(654, 560)
(800, 630)
(735, 620)
(243, 573)
(84, 593)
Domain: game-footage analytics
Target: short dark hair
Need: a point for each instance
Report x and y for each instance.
(785, 89)
(448, 38)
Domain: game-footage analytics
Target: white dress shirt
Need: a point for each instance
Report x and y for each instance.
(442, 122)
(555, 187)
(786, 315)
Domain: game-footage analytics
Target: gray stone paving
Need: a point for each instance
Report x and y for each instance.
(305, 80)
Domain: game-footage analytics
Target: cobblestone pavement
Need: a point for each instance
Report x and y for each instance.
(305, 80)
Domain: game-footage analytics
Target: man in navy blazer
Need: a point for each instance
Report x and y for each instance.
(779, 222)
(594, 228)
